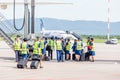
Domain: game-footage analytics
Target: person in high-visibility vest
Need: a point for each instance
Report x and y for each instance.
(78, 51)
(68, 47)
(24, 48)
(17, 48)
(63, 50)
(42, 46)
(58, 49)
(74, 45)
(51, 47)
(88, 44)
(37, 50)
(92, 51)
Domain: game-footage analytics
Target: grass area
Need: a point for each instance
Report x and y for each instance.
(98, 40)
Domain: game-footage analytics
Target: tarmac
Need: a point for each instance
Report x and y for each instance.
(105, 67)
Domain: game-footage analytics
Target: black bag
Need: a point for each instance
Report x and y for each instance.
(87, 55)
(34, 64)
(73, 56)
(46, 58)
(22, 63)
(48, 47)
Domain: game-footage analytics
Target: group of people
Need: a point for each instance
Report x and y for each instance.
(90, 48)
(62, 47)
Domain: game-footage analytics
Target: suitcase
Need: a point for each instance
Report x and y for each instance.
(82, 57)
(36, 57)
(87, 54)
(30, 56)
(73, 56)
(46, 58)
(22, 63)
(34, 64)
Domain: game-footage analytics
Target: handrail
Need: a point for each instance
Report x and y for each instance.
(6, 36)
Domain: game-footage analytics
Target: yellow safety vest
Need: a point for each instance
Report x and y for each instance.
(17, 45)
(42, 44)
(51, 44)
(36, 50)
(24, 48)
(58, 45)
(79, 47)
(92, 46)
(68, 46)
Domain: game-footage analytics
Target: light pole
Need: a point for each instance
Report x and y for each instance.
(32, 18)
(108, 30)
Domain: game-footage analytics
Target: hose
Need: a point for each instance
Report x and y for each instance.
(14, 23)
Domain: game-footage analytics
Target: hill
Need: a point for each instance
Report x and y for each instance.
(78, 26)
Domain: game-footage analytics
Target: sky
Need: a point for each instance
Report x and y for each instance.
(80, 10)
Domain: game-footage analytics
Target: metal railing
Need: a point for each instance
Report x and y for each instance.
(6, 29)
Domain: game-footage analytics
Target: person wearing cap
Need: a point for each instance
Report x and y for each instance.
(78, 51)
(58, 49)
(24, 48)
(63, 50)
(37, 50)
(92, 51)
(68, 47)
(88, 44)
(17, 48)
(74, 45)
(51, 47)
(43, 47)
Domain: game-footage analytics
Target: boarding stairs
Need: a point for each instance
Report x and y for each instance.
(76, 35)
(6, 30)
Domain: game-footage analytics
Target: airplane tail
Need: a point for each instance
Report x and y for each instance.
(42, 25)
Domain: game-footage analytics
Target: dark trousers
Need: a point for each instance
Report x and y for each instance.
(17, 55)
(50, 54)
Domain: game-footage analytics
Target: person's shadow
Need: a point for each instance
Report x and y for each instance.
(7, 58)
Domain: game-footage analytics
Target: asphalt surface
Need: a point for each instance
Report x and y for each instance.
(105, 67)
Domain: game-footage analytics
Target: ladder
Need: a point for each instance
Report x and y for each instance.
(6, 28)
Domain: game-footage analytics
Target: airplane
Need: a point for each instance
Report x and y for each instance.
(57, 33)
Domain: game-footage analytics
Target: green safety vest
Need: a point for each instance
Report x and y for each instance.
(24, 48)
(16, 45)
(42, 44)
(68, 46)
(51, 44)
(36, 51)
(58, 45)
(88, 43)
(79, 47)
(92, 47)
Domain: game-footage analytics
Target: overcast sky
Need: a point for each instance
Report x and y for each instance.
(80, 10)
